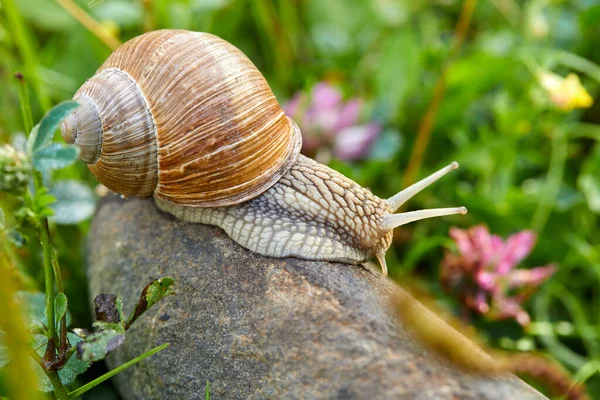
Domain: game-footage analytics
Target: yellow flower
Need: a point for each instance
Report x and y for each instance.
(566, 93)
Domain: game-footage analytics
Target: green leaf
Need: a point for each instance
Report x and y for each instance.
(27, 218)
(75, 202)
(96, 346)
(60, 306)
(32, 138)
(55, 156)
(158, 290)
(36, 208)
(151, 294)
(43, 199)
(69, 372)
(102, 325)
(2, 219)
(50, 123)
(34, 306)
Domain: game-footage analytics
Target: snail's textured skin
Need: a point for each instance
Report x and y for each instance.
(312, 212)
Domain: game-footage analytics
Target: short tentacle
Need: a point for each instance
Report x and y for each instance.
(397, 200)
(382, 263)
(395, 220)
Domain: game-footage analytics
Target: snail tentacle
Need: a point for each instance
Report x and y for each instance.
(395, 220)
(403, 196)
(381, 258)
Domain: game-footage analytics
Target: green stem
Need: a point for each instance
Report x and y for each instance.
(50, 356)
(558, 159)
(49, 288)
(25, 103)
(25, 49)
(59, 389)
(60, 392)
(57, 274)
(579, 63)
(115, 371)
(64, 344)
(50, 363)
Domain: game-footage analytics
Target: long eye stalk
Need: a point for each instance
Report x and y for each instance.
(395, 220)
(392, 221)
(399, 199)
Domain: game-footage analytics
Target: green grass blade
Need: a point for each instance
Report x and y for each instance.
(115, 371)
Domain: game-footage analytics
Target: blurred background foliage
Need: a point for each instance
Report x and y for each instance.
(527, 141)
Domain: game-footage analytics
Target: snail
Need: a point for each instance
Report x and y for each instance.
(187, 118)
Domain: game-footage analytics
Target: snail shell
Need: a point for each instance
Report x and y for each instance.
(193, 122)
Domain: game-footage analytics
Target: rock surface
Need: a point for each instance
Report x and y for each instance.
(257, 327)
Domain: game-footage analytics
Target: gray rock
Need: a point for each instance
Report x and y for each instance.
(257, 327)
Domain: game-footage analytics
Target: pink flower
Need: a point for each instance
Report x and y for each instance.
(484, 272)
(330, 126)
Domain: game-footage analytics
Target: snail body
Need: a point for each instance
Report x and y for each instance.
(187, 118)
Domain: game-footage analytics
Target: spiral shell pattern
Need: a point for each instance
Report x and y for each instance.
(185, 117)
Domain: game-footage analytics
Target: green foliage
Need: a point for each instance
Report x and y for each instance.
(151, 294)
(111, 325)
(55, 156)
(48, 156)
(69, 372)
(51, 342)
(110, 328)
(75, 202)
(96, 346)
(35, 209)
(60, 306)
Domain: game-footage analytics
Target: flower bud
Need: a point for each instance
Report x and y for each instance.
(15, 170)
(566, 93)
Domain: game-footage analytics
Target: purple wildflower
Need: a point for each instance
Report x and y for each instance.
(330, 126)
(485, 276)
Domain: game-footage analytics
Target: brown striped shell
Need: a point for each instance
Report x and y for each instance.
(185, 117)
